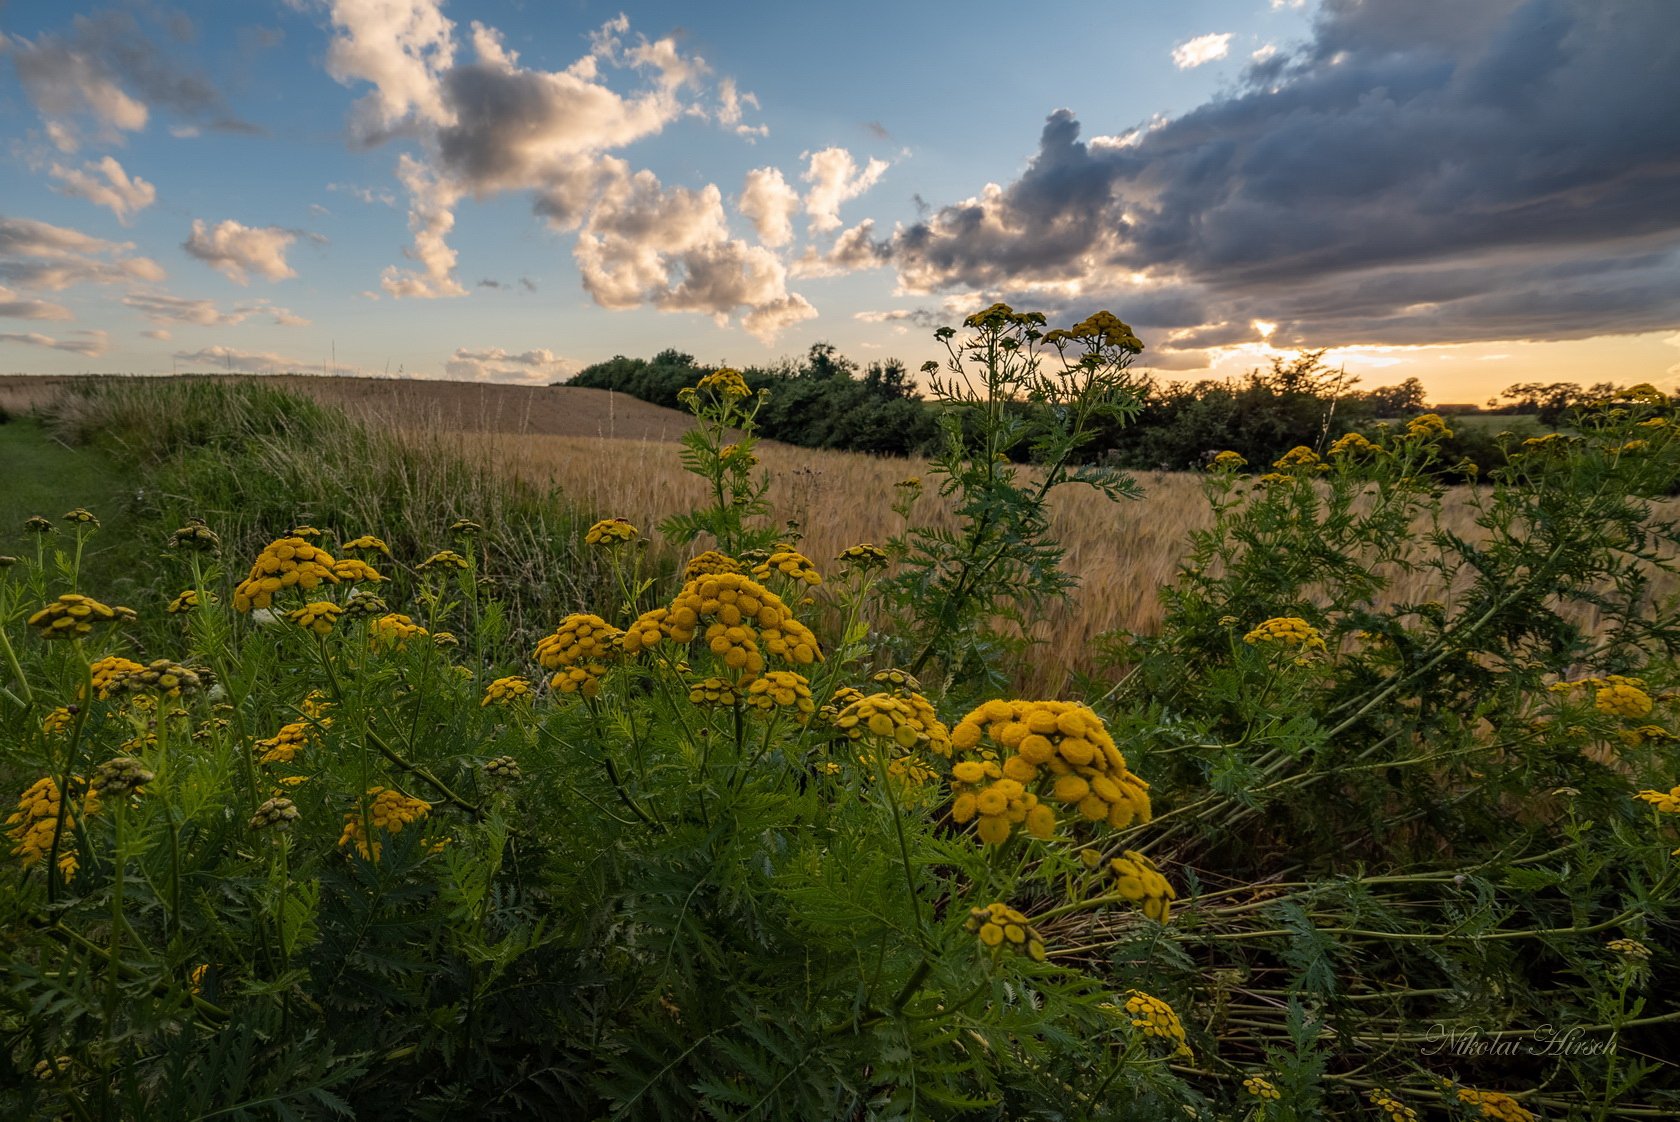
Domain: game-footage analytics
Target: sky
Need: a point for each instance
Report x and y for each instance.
(1471, 192)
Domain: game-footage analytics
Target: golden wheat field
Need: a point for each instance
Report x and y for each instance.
(619, 456)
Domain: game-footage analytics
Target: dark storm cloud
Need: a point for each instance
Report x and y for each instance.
(113, 47)
(1422, 170)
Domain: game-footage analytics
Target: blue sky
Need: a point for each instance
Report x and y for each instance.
(1475, 194)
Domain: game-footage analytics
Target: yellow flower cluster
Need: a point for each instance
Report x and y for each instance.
(610, 531)
(838, 701)
(73, 616)
(35, 821)
(317, 616)
(1666, 801)
(197, 536)
(1392, 1108)
(782, 689)
(393, 631)
(278, 812)
(713, 691)
(292, 738)
(1001, 927)
(1352, 444)
(1495, 1104)
(106, 671)
(506, 691)
(466, 528)
(367, 543)
(35, 524)
(365, 603)
(189, 601)
(1059, 744)
(896, 718)
(1429, 426)
(353, 569)
(1138, 880)
(863, 556)
(1154, 1017)
(1290, 632)
(791, 564)
(443, 559)
(742, 620)
(120, 774)
(82, 516)
(170, 679)
(307, 533)
(387, 809)
(1629, 948)
(283, 563)
(58, 720)
(1261, 1088)
(1622, 697)
(502, 767)
(726, 383)
(579, 638)
(738, 455)
(578, 652)
(711, 563)
(1228, 461)
(1299, 456)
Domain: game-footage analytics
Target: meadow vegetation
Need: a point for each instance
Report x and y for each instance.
(388, 782)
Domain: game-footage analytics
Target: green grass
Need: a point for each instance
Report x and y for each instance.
(47, 477)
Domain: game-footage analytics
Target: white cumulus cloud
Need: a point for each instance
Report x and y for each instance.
(494, 364)
(834, 178)
(770, 204)
(89, 343)
(1201, 49)
(106, 184)
(236, 250)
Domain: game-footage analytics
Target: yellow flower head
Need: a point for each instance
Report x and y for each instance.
(1017, 758)
(367, 543)
(307, 533)
(1000, 927)
(283, 746)
(790, 564)
(1429, 426)
(34, 824)
(1666, 801)
(162, 676)
(283, 563)
(782, 689)
(82, 516)
(73, 616)
(1138, 880)
(740, 620)
(1622, 697)
(1496, 1105)
(443, 559)
(1227, 461)
(503, 767)
(1288, 632)
(1352, 444)
(317, 616)
(909, 721)
(506, 691)
(1392, 1108)
(579, 638)
(710, 563)
(466, 528)
(393, 631)
(863, 556)
(59, 720)
(1154, 1017)
(197, 536)
(738, 456)
(837, 702)
(1261, 1088)
(107, 671)
(580, 678)
(649, 629)
(726, 383)
(610, 531)
(278, 813)
(188, 601)
(1629, 948)
(1299, 456)
(713, 691)
(352, 570)
(387, 810)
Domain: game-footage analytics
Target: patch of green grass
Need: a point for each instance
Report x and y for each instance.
(47, 477)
